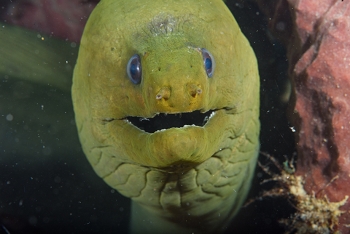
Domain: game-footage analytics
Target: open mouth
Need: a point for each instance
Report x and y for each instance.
(164, 121)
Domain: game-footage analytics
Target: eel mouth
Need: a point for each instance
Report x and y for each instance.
(163, 121)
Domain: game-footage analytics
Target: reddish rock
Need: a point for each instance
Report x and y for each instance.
(61, 18)
(319, 67)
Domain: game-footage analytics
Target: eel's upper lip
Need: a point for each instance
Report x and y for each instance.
(163, 121)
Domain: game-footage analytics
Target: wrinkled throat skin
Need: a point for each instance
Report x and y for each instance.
(180, 141)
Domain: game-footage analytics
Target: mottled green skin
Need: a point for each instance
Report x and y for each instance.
(189, 179)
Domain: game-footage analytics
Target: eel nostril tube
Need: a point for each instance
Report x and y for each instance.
(194, 90)
(164, 93)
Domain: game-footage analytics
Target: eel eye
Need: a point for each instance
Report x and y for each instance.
(208, 61)
(134, 69)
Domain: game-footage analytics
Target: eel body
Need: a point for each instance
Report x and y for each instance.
(166, 99)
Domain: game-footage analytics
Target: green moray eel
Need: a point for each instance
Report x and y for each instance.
(166, 98)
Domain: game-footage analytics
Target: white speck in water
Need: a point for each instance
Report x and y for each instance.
(42, 107)
(66, 61)
(9, 117)
(112, 191)
(239, 5)
(20, 202)
(73, 44)
(8, 182)
(292, 128)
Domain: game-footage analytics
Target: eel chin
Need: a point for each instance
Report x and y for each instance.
(163, 121)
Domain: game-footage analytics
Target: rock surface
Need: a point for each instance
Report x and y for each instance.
(317, 37)
(61, 18)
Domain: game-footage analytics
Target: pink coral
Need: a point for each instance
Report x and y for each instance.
(60, 18)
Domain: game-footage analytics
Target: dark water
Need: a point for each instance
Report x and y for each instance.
(48, 186)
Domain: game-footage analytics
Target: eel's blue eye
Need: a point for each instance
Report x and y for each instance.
(134, 69)
(209, 62)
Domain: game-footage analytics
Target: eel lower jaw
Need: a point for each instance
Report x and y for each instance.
(164, 121)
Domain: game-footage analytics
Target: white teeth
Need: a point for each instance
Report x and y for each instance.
(206, 119)
(212, 114)
(161, 130)
(192, 125)
(185, 126)
(177, 120)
